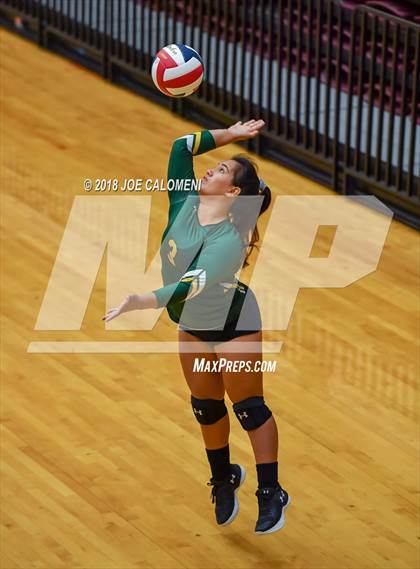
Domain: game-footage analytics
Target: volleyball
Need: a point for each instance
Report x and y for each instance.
(177, 70)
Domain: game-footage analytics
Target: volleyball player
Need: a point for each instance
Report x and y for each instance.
(209, 236)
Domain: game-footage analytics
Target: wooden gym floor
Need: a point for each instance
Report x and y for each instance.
(103, 464)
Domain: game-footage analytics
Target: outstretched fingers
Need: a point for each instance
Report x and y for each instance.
(254, 127)
(111, 314)
(255, 123)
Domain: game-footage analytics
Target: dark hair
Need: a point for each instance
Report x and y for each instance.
(242, 215)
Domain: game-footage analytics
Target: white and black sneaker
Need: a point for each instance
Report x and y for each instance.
(224, 494)
(272, 503)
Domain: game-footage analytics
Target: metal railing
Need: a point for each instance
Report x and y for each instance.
(337, 87)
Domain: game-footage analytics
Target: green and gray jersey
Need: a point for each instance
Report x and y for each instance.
(198, 262)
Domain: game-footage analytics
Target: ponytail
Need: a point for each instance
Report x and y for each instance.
(242, 212)
(254, 236)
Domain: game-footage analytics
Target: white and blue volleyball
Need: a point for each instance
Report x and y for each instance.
(177, 70)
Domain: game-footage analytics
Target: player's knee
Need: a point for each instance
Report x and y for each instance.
(252, 412)
(208, 411)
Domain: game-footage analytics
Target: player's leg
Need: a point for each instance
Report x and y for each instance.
(207, 391)
(207, 399)
(245, 389)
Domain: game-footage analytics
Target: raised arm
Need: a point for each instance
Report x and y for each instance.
(180, 165)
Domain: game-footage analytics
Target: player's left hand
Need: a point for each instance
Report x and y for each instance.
(131, 302)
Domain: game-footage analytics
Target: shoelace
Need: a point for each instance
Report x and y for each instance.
(217, 485)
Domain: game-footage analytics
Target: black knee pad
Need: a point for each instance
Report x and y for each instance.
(252, 412)
(208, 411)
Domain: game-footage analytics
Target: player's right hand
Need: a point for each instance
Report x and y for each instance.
(249, 129)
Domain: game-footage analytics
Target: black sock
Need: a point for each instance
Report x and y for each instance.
(219, 462)
(267, 474)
